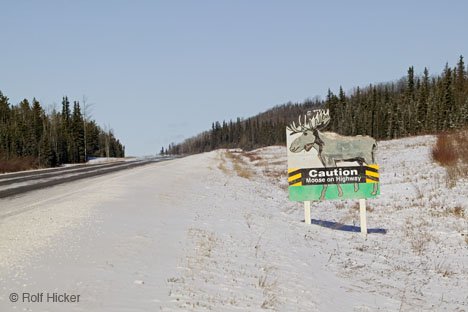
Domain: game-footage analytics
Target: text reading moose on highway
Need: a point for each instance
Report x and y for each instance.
(340, 175)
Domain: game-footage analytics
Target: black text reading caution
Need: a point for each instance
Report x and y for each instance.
(337, 175)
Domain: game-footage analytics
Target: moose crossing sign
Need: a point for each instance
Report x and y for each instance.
(325, 165)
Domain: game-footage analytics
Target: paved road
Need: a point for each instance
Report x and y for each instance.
(113, 239)
(17, 183)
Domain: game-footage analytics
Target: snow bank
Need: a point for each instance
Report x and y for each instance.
(193, 234)
(250, 250)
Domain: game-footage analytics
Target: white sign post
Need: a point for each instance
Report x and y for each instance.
(307, 212)
(362, 210)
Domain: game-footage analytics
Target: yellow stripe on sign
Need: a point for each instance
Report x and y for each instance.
(372, 174)
(292, 169)
(375, 166)
(297, 184)
(371, 181)
(294, 177)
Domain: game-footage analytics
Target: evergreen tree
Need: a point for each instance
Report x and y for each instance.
(77, 134)
(422, 103)
(5, 131)
(408, 113)
(28, 134)
(37, 127)
(448, 107)
(64, 133)
(461, 90)
(342, 103)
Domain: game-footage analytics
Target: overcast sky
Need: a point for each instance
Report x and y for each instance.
(162, 71)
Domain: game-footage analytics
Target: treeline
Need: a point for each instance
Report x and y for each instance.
(415, 104)
(264, 129)
(47, 140)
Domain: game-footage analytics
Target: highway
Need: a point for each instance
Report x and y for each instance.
(13, 184)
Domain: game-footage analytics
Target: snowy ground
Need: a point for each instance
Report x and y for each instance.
(216, 232)
(103, 160)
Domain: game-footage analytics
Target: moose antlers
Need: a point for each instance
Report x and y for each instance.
(316, 119)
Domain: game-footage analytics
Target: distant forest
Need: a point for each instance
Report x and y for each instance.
(29, 134)
(412, 105)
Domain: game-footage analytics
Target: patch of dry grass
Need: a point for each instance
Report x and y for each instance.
(451, 151)
(418, 235)
(18, 164)
(269, 289)
(252, 156)
(444, 151)
(222, 165)
(261, 163)
(268, 166)
(458, 212)
(240, 166)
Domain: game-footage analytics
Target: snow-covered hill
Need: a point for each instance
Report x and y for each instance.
(216, 232)
(250, 249)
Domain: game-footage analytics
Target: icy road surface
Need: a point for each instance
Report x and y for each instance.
(216, 232)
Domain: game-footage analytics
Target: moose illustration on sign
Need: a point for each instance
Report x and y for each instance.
(331, 150)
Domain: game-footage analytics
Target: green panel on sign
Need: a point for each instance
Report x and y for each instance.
(313, 192)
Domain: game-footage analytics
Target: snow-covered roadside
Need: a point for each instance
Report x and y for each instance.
(105, 160)
(216, 232)
(113, 239)
(251, 251)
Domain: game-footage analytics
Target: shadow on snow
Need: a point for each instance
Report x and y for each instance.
(347, 228)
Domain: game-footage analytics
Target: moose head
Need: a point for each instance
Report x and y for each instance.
(313, 121)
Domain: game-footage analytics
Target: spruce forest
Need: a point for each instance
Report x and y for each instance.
(31, 138)
(412, 105)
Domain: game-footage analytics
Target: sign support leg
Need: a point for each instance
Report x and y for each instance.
(307, 212)
(362, 210)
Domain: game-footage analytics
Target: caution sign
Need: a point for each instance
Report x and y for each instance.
(326, 165)
(337, 175)
(333, 183)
